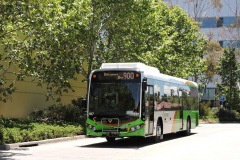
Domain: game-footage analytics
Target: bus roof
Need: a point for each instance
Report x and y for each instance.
(135, 65)
(148, 71)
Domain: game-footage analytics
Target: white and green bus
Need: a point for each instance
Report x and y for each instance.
(136, 100)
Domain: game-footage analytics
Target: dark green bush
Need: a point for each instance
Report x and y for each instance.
(61, 113)
(226, 115)
(52, 122)
(35, 131)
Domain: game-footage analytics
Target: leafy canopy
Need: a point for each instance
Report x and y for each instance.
(53, 41)
(228, 70)
(153, 33)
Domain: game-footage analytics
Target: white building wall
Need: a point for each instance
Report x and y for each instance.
(206, 10)
(228, 8)
(224, 34)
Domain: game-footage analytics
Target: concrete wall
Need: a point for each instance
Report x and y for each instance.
(28, 96)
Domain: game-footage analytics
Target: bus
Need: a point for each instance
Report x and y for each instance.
(136, 100)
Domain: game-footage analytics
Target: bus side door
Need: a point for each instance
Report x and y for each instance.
(149, 104)
(181, 108)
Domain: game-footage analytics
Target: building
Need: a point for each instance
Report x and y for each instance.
(220, 22)
(29, 96)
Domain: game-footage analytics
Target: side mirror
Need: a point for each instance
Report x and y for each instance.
(144, 84)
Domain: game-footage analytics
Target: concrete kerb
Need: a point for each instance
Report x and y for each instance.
(36, 143)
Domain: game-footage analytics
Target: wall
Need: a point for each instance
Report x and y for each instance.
(29, 96)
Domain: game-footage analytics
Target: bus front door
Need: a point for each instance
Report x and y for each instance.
(149, 104)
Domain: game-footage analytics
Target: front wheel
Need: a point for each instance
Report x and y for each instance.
(158, 136)
(111, 139)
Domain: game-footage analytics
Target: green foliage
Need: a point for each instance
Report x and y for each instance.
(207, 113)
(54, 40)
(217, 114)
(214, 52)
(52, 122)
(153, 33)
(17, 130)
(226, 115)
(204, 109)
(72, 113)
(42, 40)
(228, 71)
(57, 113)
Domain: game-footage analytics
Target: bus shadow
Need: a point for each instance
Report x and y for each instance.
(135, 143)
(8, 155)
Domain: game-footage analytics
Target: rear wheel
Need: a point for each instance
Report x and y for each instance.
(188, 129)
(111, 139)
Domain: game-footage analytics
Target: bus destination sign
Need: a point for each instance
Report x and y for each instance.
(120, 75)
(116, 75)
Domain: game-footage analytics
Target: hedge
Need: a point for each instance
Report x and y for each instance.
(14, 131)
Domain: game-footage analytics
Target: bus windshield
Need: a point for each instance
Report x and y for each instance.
(116, 99)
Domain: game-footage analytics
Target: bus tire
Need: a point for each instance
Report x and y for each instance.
(111, 139)
(159, 131)
(188, 127)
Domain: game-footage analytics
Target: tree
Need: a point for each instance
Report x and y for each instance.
(228, 71)
(43, 39)
(53, 41)
(153, 33)
(9, 24)
(177, 46)
(212, 59)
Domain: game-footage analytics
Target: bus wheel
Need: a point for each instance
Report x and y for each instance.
(188, 129)
(158, 136)
(111, 139)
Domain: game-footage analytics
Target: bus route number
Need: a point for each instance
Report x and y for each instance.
(128, 75)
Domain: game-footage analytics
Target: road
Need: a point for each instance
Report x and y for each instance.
(207, 142)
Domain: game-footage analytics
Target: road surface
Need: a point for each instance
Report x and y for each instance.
(207, 142)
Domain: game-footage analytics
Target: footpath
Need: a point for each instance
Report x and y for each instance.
(36, 143)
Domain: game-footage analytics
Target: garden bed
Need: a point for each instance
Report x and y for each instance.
(16, 130)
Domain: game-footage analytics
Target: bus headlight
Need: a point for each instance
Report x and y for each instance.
(91, 127)
(138, 127)
(133, 129)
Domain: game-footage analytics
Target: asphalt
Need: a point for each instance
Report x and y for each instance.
(37, 143)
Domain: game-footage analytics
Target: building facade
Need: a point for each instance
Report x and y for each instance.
(218, 21)
(28, 96)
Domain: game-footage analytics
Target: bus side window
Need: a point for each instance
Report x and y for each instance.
(186, 98)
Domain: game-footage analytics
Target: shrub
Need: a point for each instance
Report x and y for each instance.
(61, 113)
(35, 131)
(204, 109)
(213, 114)
(226, 115)
(52, 122)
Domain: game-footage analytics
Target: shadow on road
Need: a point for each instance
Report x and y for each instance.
(134, 143)
(7, 155)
